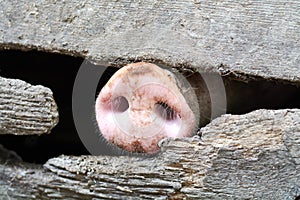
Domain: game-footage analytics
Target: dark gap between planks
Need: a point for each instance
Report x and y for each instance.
(58, 72)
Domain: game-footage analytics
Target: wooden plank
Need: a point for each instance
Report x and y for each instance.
(248, 39)
(26, 109)
(252, 156)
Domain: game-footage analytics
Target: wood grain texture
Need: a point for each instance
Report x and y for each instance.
(241, 39)
(252, 156)
(26, 109)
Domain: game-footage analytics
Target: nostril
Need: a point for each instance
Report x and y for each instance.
(163, 110)
(120, 104)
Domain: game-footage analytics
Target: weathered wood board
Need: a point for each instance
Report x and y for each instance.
(26, 109)
(242, 39)
(252, 156)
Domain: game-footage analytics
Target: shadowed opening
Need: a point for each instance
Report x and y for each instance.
(164, 111)
(58, 72)
(120, 104)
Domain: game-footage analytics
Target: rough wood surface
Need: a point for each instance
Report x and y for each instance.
(253, 156)
(242, 39)
(26, 109)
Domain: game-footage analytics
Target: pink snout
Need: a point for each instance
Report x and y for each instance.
(140, 105)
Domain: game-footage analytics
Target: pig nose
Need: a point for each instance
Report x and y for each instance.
(141, 118)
